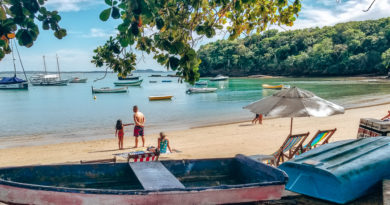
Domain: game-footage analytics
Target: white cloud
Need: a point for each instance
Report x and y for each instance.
(72, 5)
(99, 33)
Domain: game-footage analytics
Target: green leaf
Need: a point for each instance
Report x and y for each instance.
(105, 14)
(115, 13)
(2, 13)
(108, 2)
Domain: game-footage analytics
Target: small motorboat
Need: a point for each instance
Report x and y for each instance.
(155, 75)
(128, 78)
(201, 90)
(109, 90)
(342, 171)
(202, 82)
(152, 81)
(196, 181)
(129, 83)
(78, 80)
(163, 97)
(219, 78)
(166, 81)
(278, 87)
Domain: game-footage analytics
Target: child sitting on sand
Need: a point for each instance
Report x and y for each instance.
(120, 133)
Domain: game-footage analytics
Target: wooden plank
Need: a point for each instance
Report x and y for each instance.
(155, 176)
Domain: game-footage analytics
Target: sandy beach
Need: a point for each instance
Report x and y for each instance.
(202, 142)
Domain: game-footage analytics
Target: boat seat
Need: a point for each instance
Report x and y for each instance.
(155, 176)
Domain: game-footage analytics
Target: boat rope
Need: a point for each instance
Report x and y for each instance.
(13, 57)
(105, 74)
(20, 60)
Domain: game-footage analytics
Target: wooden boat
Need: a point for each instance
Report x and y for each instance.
(266, 86)
(341, 171)
(129, 83)
(219, 78)
(152, 81)
(109, 90)
(78, 80)
(155, 75)
(128, 78)
(201, 90)
(203, 181)
(166, 81)
(202, 82)
(164, 97)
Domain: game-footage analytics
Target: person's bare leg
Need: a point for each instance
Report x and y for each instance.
(143, 141)
(136, 142)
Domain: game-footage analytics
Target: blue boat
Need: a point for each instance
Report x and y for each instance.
(13, 83)
(342, 171)
(199, 181)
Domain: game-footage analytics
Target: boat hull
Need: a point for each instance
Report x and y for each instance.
(130, 83)
(266, 86)
(219, 79)
(119, 90)
(201, 90)
(160, 97)
(129, 78)
(204, 181)
(79, 80)
(14, 86)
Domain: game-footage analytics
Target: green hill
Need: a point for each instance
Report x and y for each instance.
(345, 49)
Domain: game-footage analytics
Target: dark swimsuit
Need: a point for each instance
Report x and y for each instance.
(138, 131)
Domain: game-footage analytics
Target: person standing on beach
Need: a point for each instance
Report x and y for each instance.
(139, 122)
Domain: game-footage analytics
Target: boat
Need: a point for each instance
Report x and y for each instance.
(202, 82)
(48, 79)
(219, 78)
(152, 81)
(128, 78)
(14, 82)
(163, 97)
(166, 81)
(155, 75)
(267, 86)
(109, 90)
(342, 171)
(195, 181)
(78, 80)
(129, 83)
(201, 90)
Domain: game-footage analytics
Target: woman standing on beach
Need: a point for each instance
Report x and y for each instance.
(120, 133)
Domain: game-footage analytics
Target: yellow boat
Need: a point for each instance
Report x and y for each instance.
(272, 86)
(166, 97)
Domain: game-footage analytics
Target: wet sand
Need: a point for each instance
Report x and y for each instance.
(201, 142)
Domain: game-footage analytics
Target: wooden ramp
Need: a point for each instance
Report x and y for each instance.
(154, 176)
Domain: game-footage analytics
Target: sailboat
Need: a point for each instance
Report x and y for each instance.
(48, 79)
(14, 82)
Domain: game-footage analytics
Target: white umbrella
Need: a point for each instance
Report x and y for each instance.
(294, 102)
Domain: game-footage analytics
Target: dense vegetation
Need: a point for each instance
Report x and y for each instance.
(344, 49)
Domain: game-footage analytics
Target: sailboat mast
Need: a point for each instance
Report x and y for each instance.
(13, 57)
(44, 65)
(58, 67)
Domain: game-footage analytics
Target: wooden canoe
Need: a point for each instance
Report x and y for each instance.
(202, 181)
(266, 86)
(165, 97)
(129, 83)
(109, 90)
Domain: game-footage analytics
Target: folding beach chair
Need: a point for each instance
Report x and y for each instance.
(139, 156)
(288, 150)
(320, 138)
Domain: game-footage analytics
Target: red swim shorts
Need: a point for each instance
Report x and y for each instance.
(138, 131)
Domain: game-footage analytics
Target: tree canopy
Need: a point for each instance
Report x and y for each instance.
(344, 49)
(169, 29)
(18, 20)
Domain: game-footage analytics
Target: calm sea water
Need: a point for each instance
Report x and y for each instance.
(70, 113)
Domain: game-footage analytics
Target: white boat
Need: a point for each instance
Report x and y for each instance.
(129, 83)
(109, 90)
(78, 80)
(219, 78)
(128, 78)
(202, 82)
(201, 90)
(48, 79)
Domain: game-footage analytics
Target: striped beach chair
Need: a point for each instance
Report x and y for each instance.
(288, 150)
(320, 138)
(142, 156)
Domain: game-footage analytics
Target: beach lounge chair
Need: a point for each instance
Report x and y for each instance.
(288, 150)
(139, 156)
(320, 138)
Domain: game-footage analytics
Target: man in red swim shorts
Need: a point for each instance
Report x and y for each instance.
(139, 122)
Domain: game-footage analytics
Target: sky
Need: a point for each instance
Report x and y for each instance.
(86, 31)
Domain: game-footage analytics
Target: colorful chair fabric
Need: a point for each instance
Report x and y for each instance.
(320, 138)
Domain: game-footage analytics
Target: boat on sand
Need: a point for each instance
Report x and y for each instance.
(163, 97)
(197, 181)
(201, 90)
(109, 90)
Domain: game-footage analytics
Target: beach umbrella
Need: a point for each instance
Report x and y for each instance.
(294, 102)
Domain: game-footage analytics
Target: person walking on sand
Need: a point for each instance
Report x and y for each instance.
(120, 133)
(258, 117)
(139, 122)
